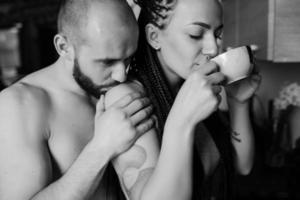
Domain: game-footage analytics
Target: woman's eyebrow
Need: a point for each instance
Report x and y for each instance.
(207, 26)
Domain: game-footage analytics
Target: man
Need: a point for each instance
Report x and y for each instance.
(59, 133)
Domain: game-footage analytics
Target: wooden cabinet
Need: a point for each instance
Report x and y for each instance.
(274, 25)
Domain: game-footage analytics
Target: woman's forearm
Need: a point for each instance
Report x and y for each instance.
(172, 177)
(241, 136)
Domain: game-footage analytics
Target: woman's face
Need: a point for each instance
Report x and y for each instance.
(192, 36)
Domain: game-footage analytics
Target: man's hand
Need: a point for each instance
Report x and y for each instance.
(199, 96)
(118, 126)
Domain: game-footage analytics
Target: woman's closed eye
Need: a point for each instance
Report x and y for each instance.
(195, 33)
(196, 37)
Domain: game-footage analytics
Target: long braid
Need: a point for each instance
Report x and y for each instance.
(156, 12)
(147, 69)
(146, 65)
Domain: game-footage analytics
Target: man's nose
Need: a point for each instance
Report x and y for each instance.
(119, 73)
(210, 46)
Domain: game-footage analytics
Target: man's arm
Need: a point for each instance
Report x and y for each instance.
(144, 171)
(25, 169)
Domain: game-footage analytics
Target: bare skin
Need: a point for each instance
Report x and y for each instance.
(48, 126)
(57, 139)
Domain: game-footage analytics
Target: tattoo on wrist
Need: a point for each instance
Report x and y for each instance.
(235, 136)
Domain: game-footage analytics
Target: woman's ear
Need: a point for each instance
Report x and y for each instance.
(152, 35)
(63, 46)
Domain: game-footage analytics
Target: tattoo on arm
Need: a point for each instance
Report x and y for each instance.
(133, 177)
(235, 135)
(140, 179)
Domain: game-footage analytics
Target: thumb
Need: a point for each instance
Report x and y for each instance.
(100, 106)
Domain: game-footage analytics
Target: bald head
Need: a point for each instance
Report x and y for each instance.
(75, 16)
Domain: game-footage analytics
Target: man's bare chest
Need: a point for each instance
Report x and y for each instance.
(71, 132)
(71, 128)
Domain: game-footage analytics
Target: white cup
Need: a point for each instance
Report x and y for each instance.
(236, 63)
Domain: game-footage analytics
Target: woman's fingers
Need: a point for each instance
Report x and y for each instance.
(216, 78)
(207, 68)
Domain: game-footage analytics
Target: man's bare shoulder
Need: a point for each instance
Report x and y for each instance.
(23, 106)
(30, 89)
(123, 89)
(23, 94)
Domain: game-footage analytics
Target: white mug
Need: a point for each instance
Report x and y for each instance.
(236, 63)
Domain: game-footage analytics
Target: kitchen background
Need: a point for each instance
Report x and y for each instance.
(272, 26)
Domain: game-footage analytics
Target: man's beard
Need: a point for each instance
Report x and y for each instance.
(87, 84)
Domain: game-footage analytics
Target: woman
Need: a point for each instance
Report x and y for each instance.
(177, 40)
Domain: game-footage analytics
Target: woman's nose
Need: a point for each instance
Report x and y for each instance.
(210, 46)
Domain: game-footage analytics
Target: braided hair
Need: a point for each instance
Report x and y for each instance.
(156, 12)
(146, 66)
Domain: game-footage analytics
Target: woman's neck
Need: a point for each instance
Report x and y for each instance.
(174, 81)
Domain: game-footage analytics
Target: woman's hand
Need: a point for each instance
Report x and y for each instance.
(199, 96)
(241, 91)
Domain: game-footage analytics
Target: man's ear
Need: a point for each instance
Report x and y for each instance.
(152, 35)
(63, 46)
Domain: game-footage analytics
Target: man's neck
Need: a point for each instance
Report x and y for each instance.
(64, 70)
